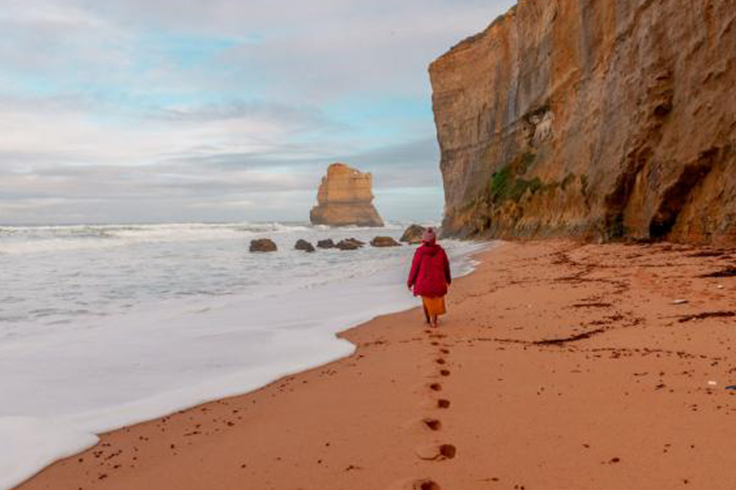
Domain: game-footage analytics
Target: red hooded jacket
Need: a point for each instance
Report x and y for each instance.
(430, 271)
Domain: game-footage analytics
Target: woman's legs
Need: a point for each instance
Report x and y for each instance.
(434, 321)
(426, 314)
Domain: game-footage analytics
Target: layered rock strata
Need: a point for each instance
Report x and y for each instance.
(602, 120)
(345, 198)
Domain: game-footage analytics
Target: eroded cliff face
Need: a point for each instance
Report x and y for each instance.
(597, 119)
(345, 198)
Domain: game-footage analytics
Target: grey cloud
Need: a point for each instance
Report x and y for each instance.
(292, 65)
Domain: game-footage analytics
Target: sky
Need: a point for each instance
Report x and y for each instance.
(150, 111)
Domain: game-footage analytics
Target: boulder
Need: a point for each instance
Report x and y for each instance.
(348, 244)
(355, 241)
(326, 243)
(304, 245)
(345, 199)
(262, 245)
(413, 234)
(384, 241)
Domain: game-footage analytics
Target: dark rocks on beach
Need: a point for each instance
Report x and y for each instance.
(326, 243)
(262, 245)
(349, 244)
(413, 234)
(304, 245)
(384, 241)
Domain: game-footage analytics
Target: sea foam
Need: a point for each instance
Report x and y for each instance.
(95, 336)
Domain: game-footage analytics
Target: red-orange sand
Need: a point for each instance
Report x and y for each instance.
(509, 392)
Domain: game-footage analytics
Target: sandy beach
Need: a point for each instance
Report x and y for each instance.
(559, 366)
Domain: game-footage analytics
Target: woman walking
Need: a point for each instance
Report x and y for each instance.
(430, 276)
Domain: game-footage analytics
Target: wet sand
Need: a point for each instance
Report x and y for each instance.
(559, 366)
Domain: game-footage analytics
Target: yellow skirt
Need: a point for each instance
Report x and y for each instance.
(434, 306)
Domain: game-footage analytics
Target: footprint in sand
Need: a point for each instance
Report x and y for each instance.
(432, 424)
(440, 452)
(426, 485)
(435, 387)
(442, 403)
(440, 361)
(421, 484)
(445, 372)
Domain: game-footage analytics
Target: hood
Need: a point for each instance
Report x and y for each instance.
(430, 249)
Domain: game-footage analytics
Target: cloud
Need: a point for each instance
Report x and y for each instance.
(144, 110)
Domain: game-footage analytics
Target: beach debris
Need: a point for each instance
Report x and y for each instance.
(304, 245)
(384, 241)
(592, 305)
(707, 314)
(720, 286)
(262, 245)
(413, 235)
(680, 302)
(732, 387)
(326, 243)
(425, 485)
(712, 383)
(437, 453)
(573, 338)
(727, 272)
(708, 253)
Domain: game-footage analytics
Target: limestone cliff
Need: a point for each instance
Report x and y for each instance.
(345, 198)
(597, 119)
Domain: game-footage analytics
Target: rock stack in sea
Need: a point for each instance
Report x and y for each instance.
(304, 246)
(328, 243)
(345, 198)
(263, 245)
(349, 244)
(384, 241)
(413, 234)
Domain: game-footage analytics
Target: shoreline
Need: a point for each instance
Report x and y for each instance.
(474, 404)
(143, 355)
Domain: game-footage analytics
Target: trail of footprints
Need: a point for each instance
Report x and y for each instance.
(442, 451)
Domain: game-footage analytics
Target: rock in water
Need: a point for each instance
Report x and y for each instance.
(345, 198)
(413, 234)
(384, 241)
(355, 242)
(349, 244)
(600, 120)
(304, 245)
(262, 245)
(326, 243)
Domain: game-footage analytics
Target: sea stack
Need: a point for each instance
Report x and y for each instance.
(345, 198)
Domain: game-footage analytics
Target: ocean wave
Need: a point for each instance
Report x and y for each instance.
(44, 239)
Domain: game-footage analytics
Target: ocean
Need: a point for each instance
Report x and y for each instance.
(106, 326)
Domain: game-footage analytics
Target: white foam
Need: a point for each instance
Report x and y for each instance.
(64, 383)
(45, 239)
